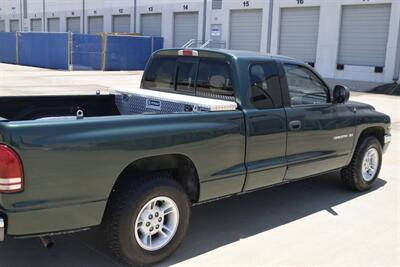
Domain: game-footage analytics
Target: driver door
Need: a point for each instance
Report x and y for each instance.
(320, 134)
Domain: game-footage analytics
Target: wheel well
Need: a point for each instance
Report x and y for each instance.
(178, 166)
(377, 132)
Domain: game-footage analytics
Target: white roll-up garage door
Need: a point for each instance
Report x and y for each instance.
(121, 23)
(150, 24)
(14, 25)
(74, 25)
(2, 25)
(299, 33)
(36, 25)
(96, 24)
(364, 35)
(185, 27)
(245, 29)
(53, 25)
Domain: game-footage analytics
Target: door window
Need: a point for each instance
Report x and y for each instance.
(305, 88)
(264, 86)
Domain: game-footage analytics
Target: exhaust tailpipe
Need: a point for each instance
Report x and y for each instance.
(47, 241)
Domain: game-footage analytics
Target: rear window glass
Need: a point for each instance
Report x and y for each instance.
(161, 74)
(206, 78)
(186, 76)
(214, 80)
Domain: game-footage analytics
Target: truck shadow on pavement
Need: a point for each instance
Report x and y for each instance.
(213, 225)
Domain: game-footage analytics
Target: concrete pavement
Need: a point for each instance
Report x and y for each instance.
(23, 80)
(310, 222)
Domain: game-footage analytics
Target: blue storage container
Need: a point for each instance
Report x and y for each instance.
(158, 43)
(46, 50)
(86, 52)
(8, 47)
(51, 50)
(129, 52)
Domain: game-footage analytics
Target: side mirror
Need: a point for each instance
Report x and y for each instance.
(341, 94)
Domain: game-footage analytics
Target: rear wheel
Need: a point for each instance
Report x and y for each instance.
(147, 220)
(156, 223)
(365, 165)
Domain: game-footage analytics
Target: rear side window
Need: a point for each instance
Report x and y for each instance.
(214, 80)
(264, 86)
(161, 74)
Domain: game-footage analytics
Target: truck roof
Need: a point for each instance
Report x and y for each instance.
(238, 54)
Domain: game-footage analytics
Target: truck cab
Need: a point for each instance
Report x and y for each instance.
(295, 128)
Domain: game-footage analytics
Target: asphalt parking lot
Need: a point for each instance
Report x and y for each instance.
(310, 222)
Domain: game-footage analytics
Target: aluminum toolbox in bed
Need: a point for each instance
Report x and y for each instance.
(136, 101)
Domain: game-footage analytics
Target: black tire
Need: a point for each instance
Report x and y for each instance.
(352, 174)
(125, 204)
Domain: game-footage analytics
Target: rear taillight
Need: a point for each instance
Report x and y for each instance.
(11, 173)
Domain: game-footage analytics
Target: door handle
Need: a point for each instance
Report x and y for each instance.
(295, 125)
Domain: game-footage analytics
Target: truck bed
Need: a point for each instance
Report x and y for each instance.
(119, 102)
(37, 107)
(71, 165)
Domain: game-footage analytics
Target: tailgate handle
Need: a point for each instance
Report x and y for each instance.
(295, 125)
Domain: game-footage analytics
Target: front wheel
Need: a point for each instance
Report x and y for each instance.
(365, 165)
(147, 220)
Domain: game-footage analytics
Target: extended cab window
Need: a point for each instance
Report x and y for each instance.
(214, 80)
(161, 74)
(264, 86)
(304, 86)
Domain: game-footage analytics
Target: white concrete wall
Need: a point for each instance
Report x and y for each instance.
(328, 35)
(167, 8)
(107, 9)
(10, 11)
(3, 11)
(222, 16)
(63, 10)
(34, 11)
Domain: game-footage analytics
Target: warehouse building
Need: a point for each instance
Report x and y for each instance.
(343, 39)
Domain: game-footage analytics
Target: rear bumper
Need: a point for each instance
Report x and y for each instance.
(387, 140)
(52, 220)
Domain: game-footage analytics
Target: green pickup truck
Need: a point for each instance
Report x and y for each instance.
(68, 163)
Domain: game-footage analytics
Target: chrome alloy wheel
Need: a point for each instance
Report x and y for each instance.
(156, 223)
(370, 164)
